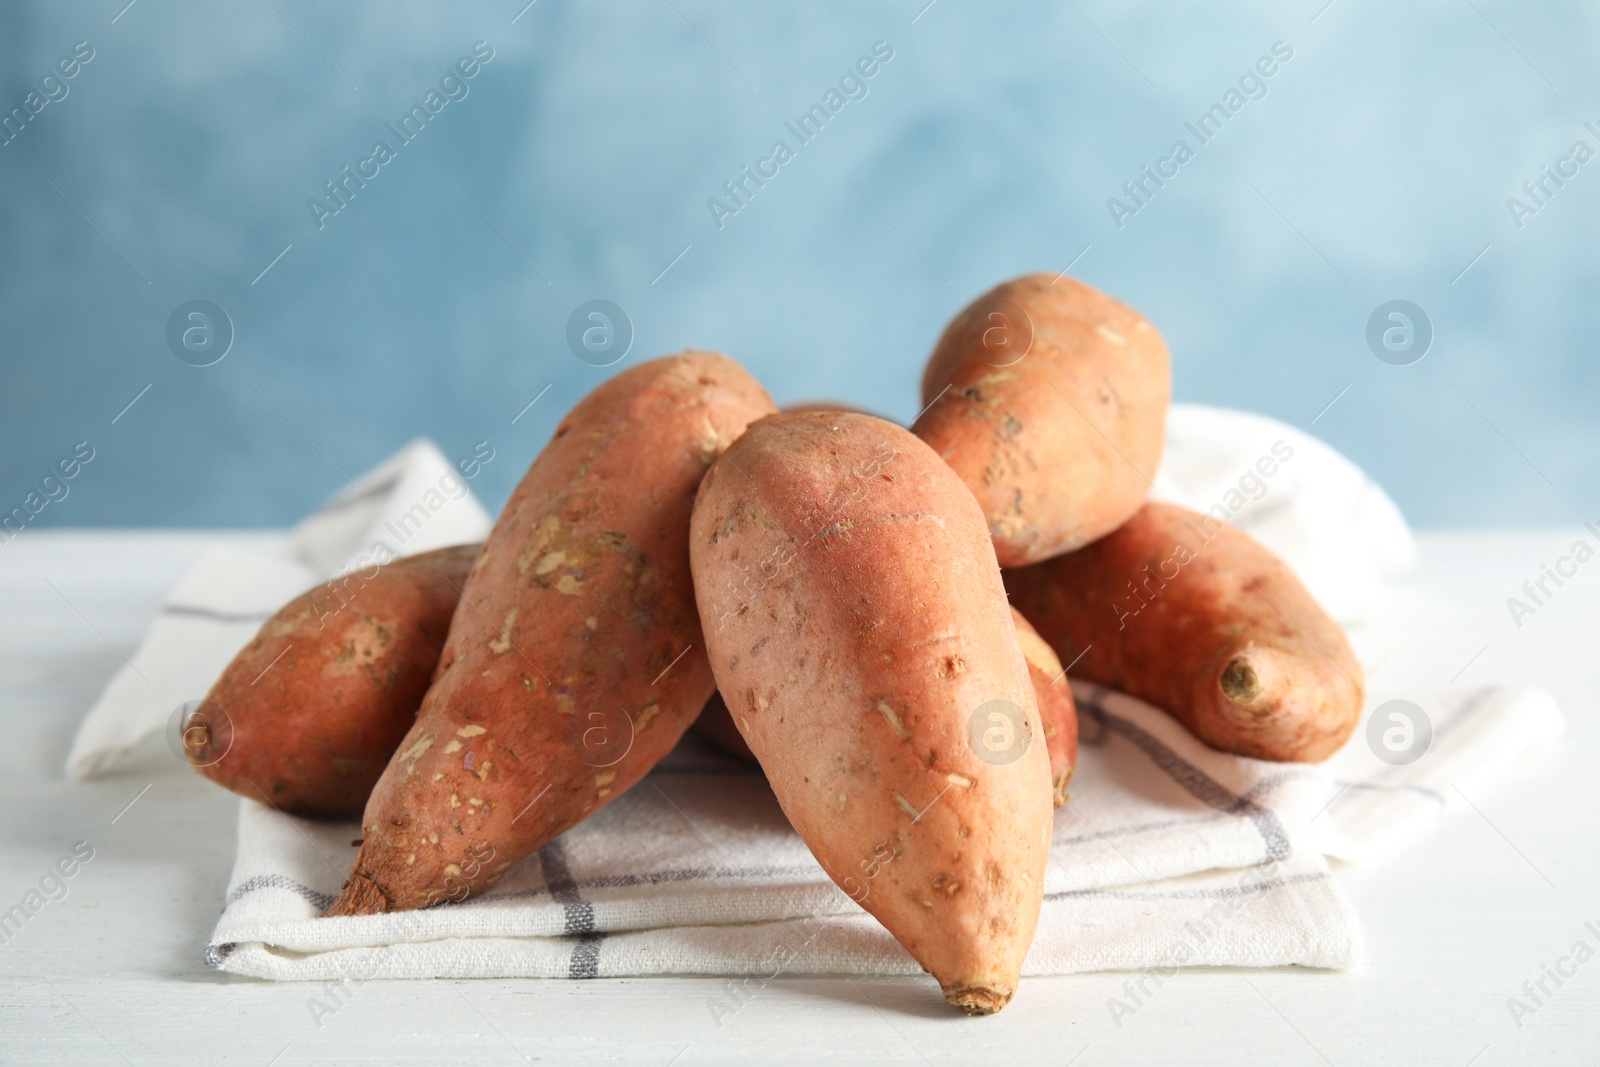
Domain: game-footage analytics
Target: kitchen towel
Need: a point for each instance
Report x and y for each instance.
(1167, 854)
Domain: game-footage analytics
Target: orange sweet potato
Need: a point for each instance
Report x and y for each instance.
(855, 615)
(575, 660)
(1049, 399)
(1200, 620)
(307, 715)
(1057, 712)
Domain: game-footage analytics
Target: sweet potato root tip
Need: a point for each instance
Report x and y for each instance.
(1240, 681)
(977, 1001)
(360, 896)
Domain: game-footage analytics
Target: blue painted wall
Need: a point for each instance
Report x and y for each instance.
(1376, 162)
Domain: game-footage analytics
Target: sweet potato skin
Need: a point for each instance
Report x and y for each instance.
(307, 715)
(1197, 618)
(575, 659)
(854, 611)
(1049, 399)
(1057, 712)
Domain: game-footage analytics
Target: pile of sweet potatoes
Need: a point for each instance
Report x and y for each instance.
(823, 590)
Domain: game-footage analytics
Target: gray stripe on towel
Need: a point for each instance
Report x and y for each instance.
(585, 961)
(1220, 893)
(339, 503)
(321, 901)
(1193, 780)
(609, 881)
(195, 612)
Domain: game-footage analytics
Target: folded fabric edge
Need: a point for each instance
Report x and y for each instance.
(1294, 914)
(255, 960)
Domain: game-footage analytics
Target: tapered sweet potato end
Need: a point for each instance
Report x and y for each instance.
(360, 896)
(1058, 787)
(977, 1000)
(1296, 708)
(203, 741)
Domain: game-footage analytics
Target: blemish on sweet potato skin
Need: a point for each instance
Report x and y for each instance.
(559, 652)
(309, 713)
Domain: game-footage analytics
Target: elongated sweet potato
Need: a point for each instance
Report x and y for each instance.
(856, 618)
(1057, 712)
(1200, 620)
(307, 715)
(575, 659)
(1049, 399)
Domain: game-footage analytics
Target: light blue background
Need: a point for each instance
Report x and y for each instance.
(1380, 160)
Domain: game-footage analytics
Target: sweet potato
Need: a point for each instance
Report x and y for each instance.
(1049, 399)
(716, 726)
(1057, 712)
(819, 406)
(1197, 618)
(575, 659)
(307, 715)
(857, 621)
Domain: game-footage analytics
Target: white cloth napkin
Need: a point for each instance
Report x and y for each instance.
(413, 502)
(1168, 854)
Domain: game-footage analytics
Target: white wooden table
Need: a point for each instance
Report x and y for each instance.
(114, 972)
